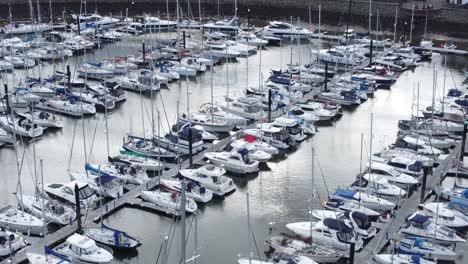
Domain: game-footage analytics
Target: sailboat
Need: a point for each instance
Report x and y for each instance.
(112, 237)
(42, 206)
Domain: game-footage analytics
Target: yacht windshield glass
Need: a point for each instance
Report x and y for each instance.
(253, 108)
(85, 192)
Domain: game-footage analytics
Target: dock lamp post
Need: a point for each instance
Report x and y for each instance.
(423, 186)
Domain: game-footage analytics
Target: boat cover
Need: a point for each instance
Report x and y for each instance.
(63, 258)
(459, 205)
(337, 224)
(345, 193)
(418, 219)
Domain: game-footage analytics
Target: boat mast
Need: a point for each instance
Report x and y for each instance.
(411, 26)
(425, 23)
(370, 17)
(395, 25)
(370, 143)
(182, 220)
(227, 76)
(9, 14)
(50, 10)
(44, 223)
(312, 196)
(38, 12)
(167, 10)
(347, 23)
(249, 229)
(443, 87)
(211, 88)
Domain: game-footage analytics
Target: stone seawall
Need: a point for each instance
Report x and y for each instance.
(333, 11)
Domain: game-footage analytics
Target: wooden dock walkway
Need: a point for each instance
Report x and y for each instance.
(407, 206)
(129, 199)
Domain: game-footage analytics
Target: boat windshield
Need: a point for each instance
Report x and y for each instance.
(85, 192)
(394, 172)
(89, 251)
(253, 108)
(346, 237)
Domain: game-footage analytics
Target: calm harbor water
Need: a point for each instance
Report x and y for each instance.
(278, 194)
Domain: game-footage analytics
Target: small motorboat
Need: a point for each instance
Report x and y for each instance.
(210, 177)
(391, 174)
(236, 161)
(169, 201)
(257, 143)
(332, 231)
(342, 205)
(193, 190)
(359, 221)
(254, 153)
(84, 249)
(103, 185)
(65, 192)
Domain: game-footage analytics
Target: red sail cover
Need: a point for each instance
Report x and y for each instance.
(249, 138)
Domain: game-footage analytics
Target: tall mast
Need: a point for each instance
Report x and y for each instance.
(395, 25)
(312, 196)
(370, 17)
(38, 12)
(425, 24)
(411, 26)
(182, 220)
(249, 229)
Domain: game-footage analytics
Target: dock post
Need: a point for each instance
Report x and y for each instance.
(423, 186)
(269, 105)
(144, 51)
(183, 37)
(68, 77)
(326, 76)
(190, 146)
(371, 51)
(462, 151)
(8, 109)
(79, 29)
(78, 212)
(351, 253)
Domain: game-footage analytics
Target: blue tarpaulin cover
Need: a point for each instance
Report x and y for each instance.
(345, 193)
